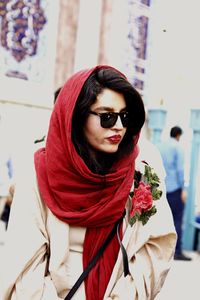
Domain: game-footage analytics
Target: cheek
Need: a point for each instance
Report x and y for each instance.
(92, 131)
(92, 124)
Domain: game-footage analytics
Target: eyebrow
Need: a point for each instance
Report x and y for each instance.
(108, 108)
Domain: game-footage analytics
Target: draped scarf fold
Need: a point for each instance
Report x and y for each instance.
(75, 194)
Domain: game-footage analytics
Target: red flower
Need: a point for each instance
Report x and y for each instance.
(142, 199)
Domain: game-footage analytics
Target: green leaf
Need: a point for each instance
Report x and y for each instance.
(155, 177)
(134, 218)
(145, 216)
(156, 194)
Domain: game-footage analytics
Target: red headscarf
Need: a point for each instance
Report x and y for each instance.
(76, 195)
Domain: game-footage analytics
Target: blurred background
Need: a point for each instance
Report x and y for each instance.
(155, 43)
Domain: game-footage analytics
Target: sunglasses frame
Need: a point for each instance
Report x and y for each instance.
(114, 116)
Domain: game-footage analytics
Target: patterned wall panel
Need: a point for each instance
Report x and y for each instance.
(137, 36)
(28, 31)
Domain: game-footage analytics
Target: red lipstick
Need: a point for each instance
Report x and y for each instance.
(114, 139)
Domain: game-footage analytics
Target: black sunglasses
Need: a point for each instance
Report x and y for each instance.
(109, 119)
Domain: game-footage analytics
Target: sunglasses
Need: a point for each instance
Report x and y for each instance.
(109, 119)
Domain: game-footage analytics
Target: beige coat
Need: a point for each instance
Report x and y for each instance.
(43, 256)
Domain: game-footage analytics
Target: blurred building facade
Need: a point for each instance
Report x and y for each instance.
(103, 32)
(43, 42)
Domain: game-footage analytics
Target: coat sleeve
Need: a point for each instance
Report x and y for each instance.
(150, 250)
(23, 273)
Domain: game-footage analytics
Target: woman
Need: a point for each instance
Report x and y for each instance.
(84, 175)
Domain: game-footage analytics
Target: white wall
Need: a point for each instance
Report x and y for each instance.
(19, 127)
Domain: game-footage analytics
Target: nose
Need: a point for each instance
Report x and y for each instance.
(118, 124)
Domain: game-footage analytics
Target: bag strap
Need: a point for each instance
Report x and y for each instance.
(93, 261)
(124, 255)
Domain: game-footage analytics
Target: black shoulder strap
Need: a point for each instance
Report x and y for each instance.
(124, 255)
(93, 261)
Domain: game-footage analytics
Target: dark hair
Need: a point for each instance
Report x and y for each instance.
(175, 131)
(56, 93)
(94, 85)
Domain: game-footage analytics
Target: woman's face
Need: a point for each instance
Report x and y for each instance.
(105, 139)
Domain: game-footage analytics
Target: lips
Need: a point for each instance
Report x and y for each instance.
(114, 139)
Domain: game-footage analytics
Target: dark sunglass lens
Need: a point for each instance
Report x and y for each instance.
(108, 120)
(124, 118)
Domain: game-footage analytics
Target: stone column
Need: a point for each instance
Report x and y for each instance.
(66, 40)
(88, 34)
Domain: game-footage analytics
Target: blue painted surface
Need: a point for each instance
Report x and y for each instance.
(157, 119)
(189, 217)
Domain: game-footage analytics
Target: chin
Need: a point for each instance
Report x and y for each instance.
(111, 149)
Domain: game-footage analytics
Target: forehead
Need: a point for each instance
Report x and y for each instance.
(110, 98)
